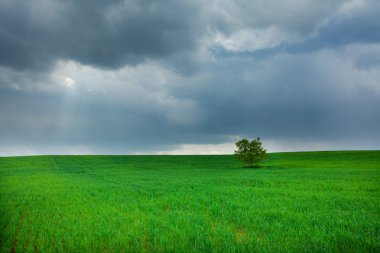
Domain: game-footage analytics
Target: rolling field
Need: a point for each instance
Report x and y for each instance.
(296, 202)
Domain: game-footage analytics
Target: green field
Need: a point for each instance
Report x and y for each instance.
(296, 202)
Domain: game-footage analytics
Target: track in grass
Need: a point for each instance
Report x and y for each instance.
(296, 202)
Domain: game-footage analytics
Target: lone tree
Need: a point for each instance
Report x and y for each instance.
(250, 152)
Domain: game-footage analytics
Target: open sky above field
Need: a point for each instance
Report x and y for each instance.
(191, 76)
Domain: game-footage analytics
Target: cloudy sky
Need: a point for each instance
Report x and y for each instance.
(189, 76)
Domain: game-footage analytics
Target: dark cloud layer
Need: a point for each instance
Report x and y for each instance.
(106, 34)
(145, 76)
(360, 26)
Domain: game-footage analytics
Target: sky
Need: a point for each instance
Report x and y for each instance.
(189, 76)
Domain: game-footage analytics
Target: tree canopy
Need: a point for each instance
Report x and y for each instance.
(250, 152)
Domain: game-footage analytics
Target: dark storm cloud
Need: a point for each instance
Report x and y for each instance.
(155, 83)
(111, 34)
(92, 121)
(318, 96)
(106, 34)
(326, 99)
(359, 27)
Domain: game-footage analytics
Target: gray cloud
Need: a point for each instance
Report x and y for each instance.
(358, 25)
(314, 97)
(106, 34)
(361, 27)
(319, 95)
(138, 76)
(111, 34)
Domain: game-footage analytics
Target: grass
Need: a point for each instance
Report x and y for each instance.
(296, 202)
